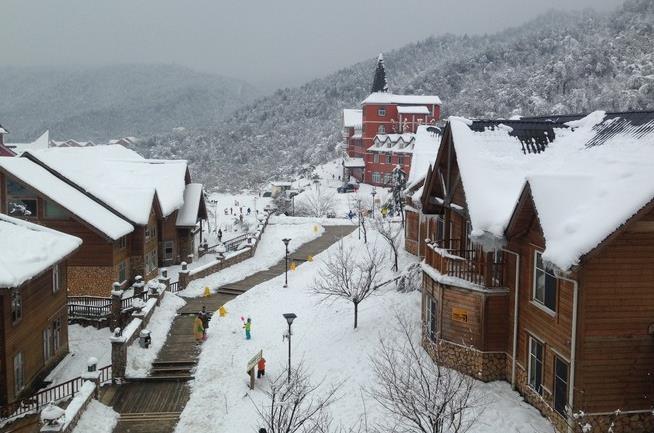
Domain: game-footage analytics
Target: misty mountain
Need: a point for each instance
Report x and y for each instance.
(114, 101)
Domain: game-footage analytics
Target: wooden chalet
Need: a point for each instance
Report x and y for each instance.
(538, 245)
(33, 323)
(133, 214)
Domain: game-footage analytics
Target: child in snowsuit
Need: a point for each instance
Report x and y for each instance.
(248, 326)
(261, 367)
(198, 328)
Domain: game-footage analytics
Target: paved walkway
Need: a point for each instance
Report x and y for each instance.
(154, 404)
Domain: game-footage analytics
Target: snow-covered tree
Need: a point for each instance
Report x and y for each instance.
(379, 83)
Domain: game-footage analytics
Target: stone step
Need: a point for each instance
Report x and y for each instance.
(149, 416)
(162, 378)
(173, 363)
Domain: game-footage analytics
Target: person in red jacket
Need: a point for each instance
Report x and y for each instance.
(261, 367)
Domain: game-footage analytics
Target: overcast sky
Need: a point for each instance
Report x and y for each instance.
(282, 42)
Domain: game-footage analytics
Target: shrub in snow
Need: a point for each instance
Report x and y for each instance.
(411, 279)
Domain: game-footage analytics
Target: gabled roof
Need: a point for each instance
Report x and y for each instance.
(28, 249)
(66, 196)
(189, 212)
(40, 143)
(120, 178)
(425, 149)
(391, 98)
(586, 179)
(413, 109)
(3, 130)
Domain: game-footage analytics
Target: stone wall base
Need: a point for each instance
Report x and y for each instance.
(90, 280)
(485, 366)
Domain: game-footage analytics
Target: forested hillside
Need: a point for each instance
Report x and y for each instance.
(113, 101)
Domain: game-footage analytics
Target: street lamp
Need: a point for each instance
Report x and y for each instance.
(373, 193)
(286, 241)
(289, 319)
(293, 201)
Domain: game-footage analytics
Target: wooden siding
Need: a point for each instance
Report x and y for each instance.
(167, 231)
(616, 348)
(40, 308)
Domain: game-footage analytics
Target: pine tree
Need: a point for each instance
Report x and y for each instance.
(379, 83)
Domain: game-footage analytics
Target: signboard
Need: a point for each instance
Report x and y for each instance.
(459, 315)
(253, 361)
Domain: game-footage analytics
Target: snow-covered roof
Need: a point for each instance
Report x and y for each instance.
(398, 143)
(425, 149)
(413, 109)
(66, 196)
(188, 213)
(281, 183)
(27, 249)
(354, 163)
(40, 143)
(592, 175)
(352, 118)
(120, 178)
(391, 98)
(3, 130)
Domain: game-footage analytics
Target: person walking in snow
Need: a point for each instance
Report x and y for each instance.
(261, 368)
(220, 235)
(205, 316)
(248, 328)
(249, 211)
(198, 328)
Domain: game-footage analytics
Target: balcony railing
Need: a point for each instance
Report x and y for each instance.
(459, 259)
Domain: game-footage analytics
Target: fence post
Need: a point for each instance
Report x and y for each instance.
(92, 374)
(183, 277)
(116, 306)
(164, 278)
(138, 286)
(118, 355)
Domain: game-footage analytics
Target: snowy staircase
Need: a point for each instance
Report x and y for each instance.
(168, 371)
(232, 291)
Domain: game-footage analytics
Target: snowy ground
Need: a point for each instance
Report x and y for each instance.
(323, 339)
(140, 360)
(224, 210)
(97, 418)
(83, 343)
(269, 252)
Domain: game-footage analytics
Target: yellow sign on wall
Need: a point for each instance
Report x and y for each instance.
(459, 315)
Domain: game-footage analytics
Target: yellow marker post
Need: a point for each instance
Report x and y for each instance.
(222, 311)
(309, 258)
(293, 266)
(207, 292)
(316, 228)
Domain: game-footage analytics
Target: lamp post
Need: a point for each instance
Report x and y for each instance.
(373, 193)
(293, 202)
(286, 241)
(289, 319)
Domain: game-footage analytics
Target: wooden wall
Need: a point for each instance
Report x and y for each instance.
(616, 348)
(40, 308)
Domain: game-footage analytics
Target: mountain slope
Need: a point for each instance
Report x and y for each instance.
(559, 62)
(114, 101)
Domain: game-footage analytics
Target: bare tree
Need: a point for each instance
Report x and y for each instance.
(391, 232)
(315, 203)
(420, 394)
(361, 207)
(296, 405)
(351, 278)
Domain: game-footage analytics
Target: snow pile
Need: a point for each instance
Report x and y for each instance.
(323, 339)
(269, 252)
(83, 343)
(139, 360)
(97, 418)
(27, 249)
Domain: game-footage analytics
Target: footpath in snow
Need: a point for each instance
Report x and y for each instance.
(330, 349)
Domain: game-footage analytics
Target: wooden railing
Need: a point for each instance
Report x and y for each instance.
(128, 302)
(467, 262)
(174, 287)
(88, 306)
(53, 394)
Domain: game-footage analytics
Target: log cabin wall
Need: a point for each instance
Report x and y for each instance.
(41, 309)
(411, 229)
(615, 354)
(169, 253)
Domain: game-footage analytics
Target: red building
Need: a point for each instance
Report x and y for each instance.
(4, 151)
(386, 136)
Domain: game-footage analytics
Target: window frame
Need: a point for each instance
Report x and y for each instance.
(537, 386)
(168, 245)
(381, 111)
(56, 335)
(16, 305)
(548, 302)
(47, 344)
(376, 177)
(557, 379)
(62, 216)
(381, 130)
(431, 316)
(389, 158)
(122, 268)
(56, 278)
(19, 373)
(400, 159)
(375, 158)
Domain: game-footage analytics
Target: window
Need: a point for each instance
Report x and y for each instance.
(21, 201)
(440, 230)
(168, 250)
(381, 111)
(375, 158)
(389, 159)
(560, 385)
(47, 344)
(122, 271)
(431, 316)
(16, 305)
(19, 373)
(400, 159)
(151, 261)
(56, 335)
(150, 231)
(56, 279)
(536, 365)
(122, 243)
(388, 177)
(376, 177)
(54, 211)
(544, 284)
(381, 129)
